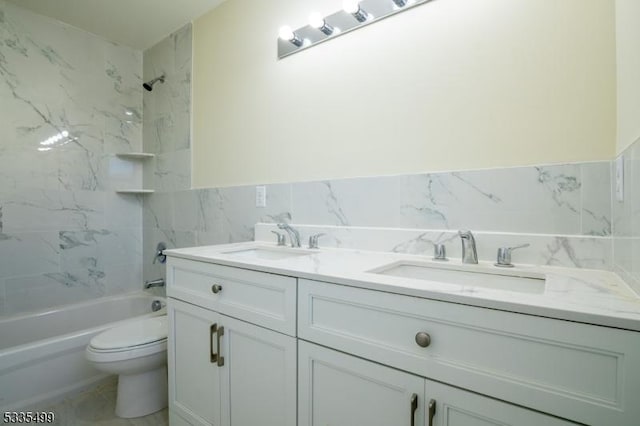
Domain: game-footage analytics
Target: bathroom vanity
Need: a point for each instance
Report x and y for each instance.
(275, 336)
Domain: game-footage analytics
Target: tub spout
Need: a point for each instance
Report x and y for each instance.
(154, 283)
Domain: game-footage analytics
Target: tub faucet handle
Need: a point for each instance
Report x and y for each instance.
(159, 256)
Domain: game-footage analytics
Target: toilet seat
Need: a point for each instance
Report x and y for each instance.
(135, 339)
(141, 351)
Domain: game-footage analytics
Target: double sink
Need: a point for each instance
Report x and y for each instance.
(482, 276)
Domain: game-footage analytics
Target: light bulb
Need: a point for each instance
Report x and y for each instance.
(286, 33)
(351, 6)
(316, 20)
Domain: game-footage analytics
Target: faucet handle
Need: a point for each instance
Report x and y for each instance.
(313, 240)
(439, 252)
(281, 240)
(160, 256)
(504, 255)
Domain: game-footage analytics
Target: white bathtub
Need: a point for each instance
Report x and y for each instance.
(42, 354)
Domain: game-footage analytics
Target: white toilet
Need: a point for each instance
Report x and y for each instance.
(137, 352)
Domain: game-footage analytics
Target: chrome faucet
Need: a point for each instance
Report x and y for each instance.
(154, 283)
(469, 253)
(294, 235)
(313, 240)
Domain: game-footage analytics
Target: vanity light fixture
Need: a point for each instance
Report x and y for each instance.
(355, 14)
(317, 21)
(287, 34)
(353, 7)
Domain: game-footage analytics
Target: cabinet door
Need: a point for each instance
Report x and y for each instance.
(341, 390)
(194, 380)
(258, 376)
(449, 406)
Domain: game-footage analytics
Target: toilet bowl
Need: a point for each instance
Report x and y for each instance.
(137, 353)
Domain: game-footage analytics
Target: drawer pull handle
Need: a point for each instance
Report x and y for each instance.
(414, 407)
(219, 334)
(432, 411)
(423, 339)
(213, 356)
(216, 288)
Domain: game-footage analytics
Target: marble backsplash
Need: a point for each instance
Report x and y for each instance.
(70, 101)
(564, 211)
(626, 220)
(551, 250)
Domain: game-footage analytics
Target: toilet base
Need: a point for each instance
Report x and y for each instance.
(142, 394)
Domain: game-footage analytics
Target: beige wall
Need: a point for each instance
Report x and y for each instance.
(628, 57)
(452, 84)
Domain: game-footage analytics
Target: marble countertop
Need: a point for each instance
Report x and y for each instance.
(582, 295)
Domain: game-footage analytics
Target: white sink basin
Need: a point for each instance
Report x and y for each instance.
(267, 253)
(467, 276)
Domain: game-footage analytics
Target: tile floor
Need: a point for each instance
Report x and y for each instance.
(96, 407)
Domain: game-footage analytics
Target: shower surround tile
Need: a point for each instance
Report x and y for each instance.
(61, 224)
(167, 112)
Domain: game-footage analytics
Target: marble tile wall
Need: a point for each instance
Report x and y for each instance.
(70, 101)
(166, 133)
(564, 211)
(626, 219)
(167, 113)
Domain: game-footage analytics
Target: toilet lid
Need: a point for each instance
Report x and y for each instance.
(134, 333)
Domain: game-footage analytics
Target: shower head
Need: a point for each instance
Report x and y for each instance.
(149, 84)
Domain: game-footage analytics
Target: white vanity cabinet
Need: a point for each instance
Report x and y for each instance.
(584, 373)
(194, 377)
(254, 348)
(342, 390)
(224, 370)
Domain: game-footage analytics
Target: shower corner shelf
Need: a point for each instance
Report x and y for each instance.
(135, 191)
(135, 155)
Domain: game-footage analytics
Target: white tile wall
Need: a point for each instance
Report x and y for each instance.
(61, 224)
(626, 219)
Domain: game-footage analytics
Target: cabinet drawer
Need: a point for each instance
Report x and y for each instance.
(264, 299)
(577, 371)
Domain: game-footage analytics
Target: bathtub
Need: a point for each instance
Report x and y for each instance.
(42, 354)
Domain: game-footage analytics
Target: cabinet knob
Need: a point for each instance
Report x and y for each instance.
(216, 288)
(423, 339)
